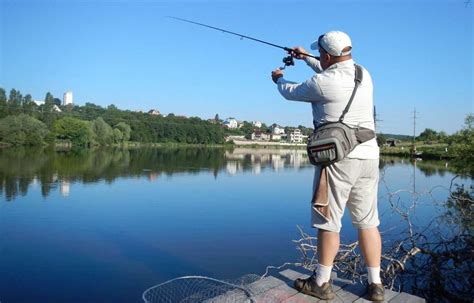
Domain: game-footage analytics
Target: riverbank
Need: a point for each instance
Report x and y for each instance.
(432, 152)
(265, 144)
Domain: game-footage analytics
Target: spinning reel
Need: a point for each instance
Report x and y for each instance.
(288, 62)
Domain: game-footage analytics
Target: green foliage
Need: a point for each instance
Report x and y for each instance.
(381, 139)
(462, 142)
(73, 130)
(125, 129)
(103, 132)
(118, 136)
(306, 131)
(22, 130)
(428, 135)
(3, 97)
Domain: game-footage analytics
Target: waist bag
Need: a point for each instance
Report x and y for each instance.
(333, 141)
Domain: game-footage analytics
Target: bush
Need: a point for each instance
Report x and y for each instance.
(76, 131)
(22, 130)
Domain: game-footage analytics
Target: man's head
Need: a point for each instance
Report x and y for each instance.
(334, 46)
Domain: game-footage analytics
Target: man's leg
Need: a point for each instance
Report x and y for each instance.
(328, 245)
(371, 246)
(317, 285)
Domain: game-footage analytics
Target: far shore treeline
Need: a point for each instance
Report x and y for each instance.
(23, 122)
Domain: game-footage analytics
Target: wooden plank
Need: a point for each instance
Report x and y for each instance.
(293, 275)
(406, 298)
(230, 297)
(389, 294)
(301, 298)
(272, 289)
(351, 292)
(264, 285)
(276, 294)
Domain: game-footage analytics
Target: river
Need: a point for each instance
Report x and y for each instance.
(103, 225)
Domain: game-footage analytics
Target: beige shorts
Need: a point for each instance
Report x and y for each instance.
(352, 182)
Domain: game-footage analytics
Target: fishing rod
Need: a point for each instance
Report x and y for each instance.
(288, 61)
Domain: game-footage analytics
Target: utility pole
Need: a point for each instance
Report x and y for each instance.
(414, 129)
(375, 119)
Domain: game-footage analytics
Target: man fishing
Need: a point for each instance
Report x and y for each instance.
(351, 182)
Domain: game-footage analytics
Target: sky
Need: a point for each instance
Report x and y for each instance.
(127, 53)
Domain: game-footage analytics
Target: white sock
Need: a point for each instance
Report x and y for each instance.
(374, 275)
(323, 274)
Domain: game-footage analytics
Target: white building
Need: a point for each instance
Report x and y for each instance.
(154, 112)
(257, 124)
(231, 123)
(38, 102)
(67, 98)
(278, 130)
(275, 137)
(259, 136)
(295, 136)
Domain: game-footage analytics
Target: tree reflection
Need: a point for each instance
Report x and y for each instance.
(57, 169)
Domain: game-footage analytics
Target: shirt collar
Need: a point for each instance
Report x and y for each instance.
(342, 64)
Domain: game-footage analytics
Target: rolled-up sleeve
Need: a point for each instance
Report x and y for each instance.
(314, 64)
(308, 91)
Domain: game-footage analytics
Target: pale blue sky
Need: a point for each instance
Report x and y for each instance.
(420, 54)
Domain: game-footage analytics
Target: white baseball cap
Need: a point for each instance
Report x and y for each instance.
(333, 43)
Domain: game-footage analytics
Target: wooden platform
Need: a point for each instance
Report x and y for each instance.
(278, 288)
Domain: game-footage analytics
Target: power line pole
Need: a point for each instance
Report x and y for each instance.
(375, 119)
(414, 129)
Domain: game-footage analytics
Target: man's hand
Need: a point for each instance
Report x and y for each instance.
(277, 74)
(298, 52)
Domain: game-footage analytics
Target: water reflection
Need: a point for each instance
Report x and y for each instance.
(51, 170)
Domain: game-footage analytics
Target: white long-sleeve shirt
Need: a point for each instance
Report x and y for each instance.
(329, 92)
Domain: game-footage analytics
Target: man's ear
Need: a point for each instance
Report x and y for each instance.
(328, 57)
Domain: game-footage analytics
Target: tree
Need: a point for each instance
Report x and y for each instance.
(118, 136)
(428, 135)
(22, 130)
(76, 131)
(103, 132)
(14, 100)
(381, 139)
(57, 101)
(48, 102)
(462, 142)
(3, 103)
(125, 129)
(3, 98)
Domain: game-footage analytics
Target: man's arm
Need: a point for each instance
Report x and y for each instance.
(307, 91)
(313, 63)
(300, 53)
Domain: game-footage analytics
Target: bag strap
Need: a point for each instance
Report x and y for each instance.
(357, 79)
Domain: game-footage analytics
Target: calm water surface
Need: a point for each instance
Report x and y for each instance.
(104, 225)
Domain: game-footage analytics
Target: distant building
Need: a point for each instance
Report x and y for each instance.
(295, 136)
(68, 98)
(154, 112)
(277, 130)
(38, 102)
(275, 137)
(257, 124)
(231, 123)
(56, 108)
(391, 142)
(259, 136)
